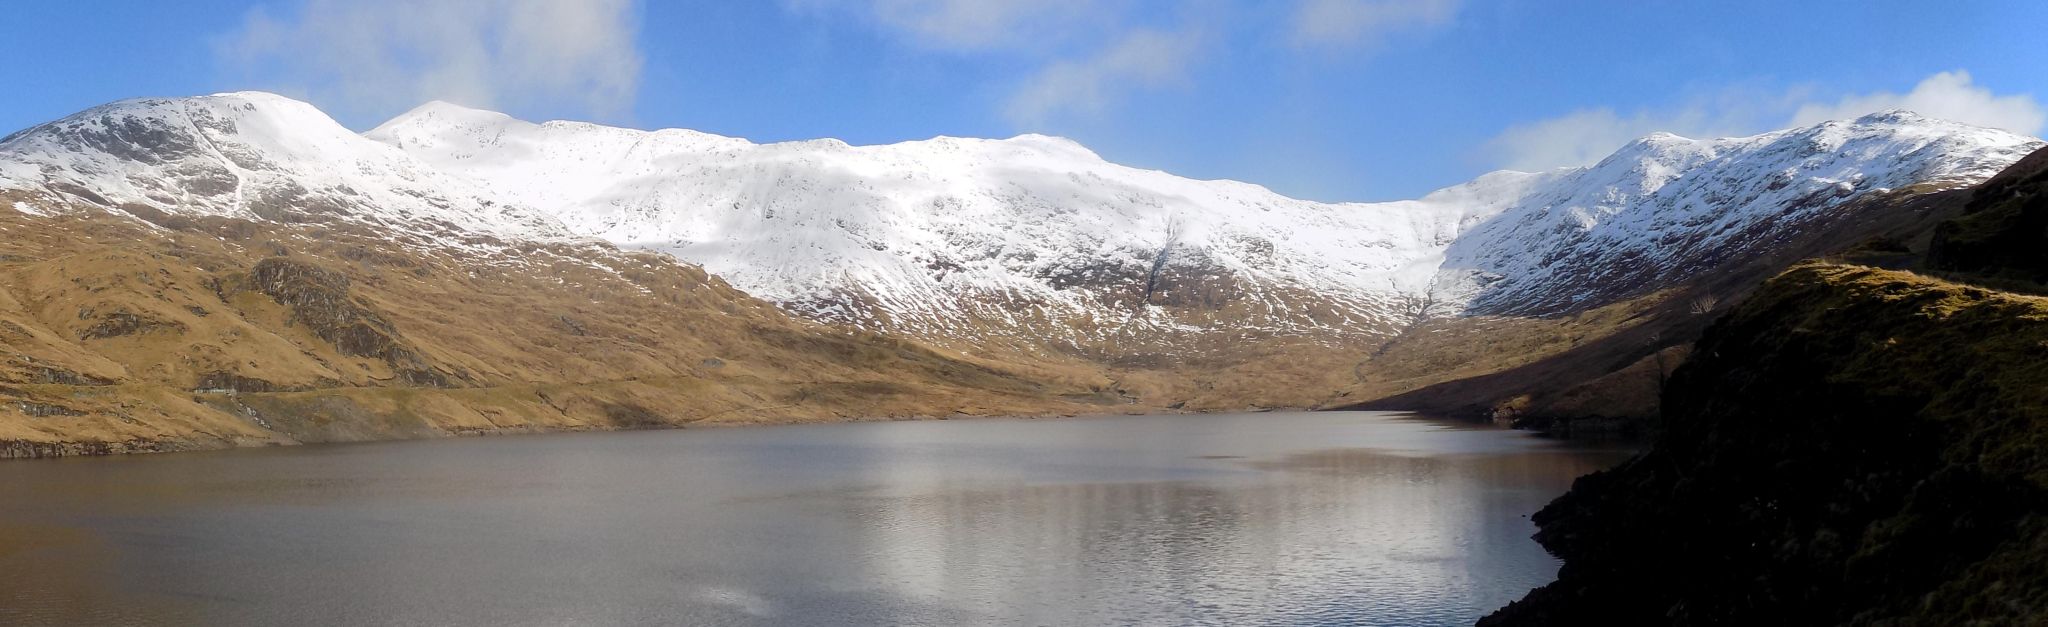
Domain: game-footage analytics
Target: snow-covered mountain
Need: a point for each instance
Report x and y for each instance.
(944, 234)
(918, 231)
(257, 156)
(1665, 205)
(1028, 237)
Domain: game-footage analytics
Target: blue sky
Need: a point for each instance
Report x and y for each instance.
(1325, 99)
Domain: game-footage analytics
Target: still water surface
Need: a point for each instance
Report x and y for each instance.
(1286, 519)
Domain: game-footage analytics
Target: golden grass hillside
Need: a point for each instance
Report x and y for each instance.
(155, 332)
(131, 330)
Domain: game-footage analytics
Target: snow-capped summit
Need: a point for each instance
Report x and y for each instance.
(1030, 237)
(250, 155)
(1665, 205)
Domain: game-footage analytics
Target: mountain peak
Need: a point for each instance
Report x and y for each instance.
(1898, 116)
(254, 96)
(252, 155)
(245, 106)
(235, 126)
(1054, 143)
(1904, 123)
(437, 117)
(444, 112)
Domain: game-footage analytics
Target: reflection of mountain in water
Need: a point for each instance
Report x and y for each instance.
(1333, 537)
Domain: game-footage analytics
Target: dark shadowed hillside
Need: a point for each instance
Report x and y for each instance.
(2001, 233)
(1851, 445)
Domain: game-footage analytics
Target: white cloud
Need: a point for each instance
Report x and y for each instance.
(1366, 22)
(1948, 95)
(978, 25)
(377, 57)
(1142, 59)
(1587, 135)
(1088, 55)
(1577, 138)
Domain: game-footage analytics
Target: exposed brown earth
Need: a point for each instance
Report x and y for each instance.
(123, 335)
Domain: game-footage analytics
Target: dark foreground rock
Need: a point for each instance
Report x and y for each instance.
(1850, 446)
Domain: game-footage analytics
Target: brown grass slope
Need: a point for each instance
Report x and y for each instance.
(151, 332)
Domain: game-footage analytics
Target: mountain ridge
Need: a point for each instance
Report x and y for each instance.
(251, 154)
(1381, 290)
(1074, 285)
(826, 229)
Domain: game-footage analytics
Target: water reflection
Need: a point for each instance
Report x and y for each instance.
(1247, 519)
(1332, 537)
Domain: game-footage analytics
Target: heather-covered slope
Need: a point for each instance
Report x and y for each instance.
(1850, 446)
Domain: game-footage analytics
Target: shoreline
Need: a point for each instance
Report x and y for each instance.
(13, 450)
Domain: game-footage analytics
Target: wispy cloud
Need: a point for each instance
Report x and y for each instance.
(1350, 23)
(978, 25)
(1950, 95)
(378, 57)
(1142, 59)
(1088, 54)
(1585, 136)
